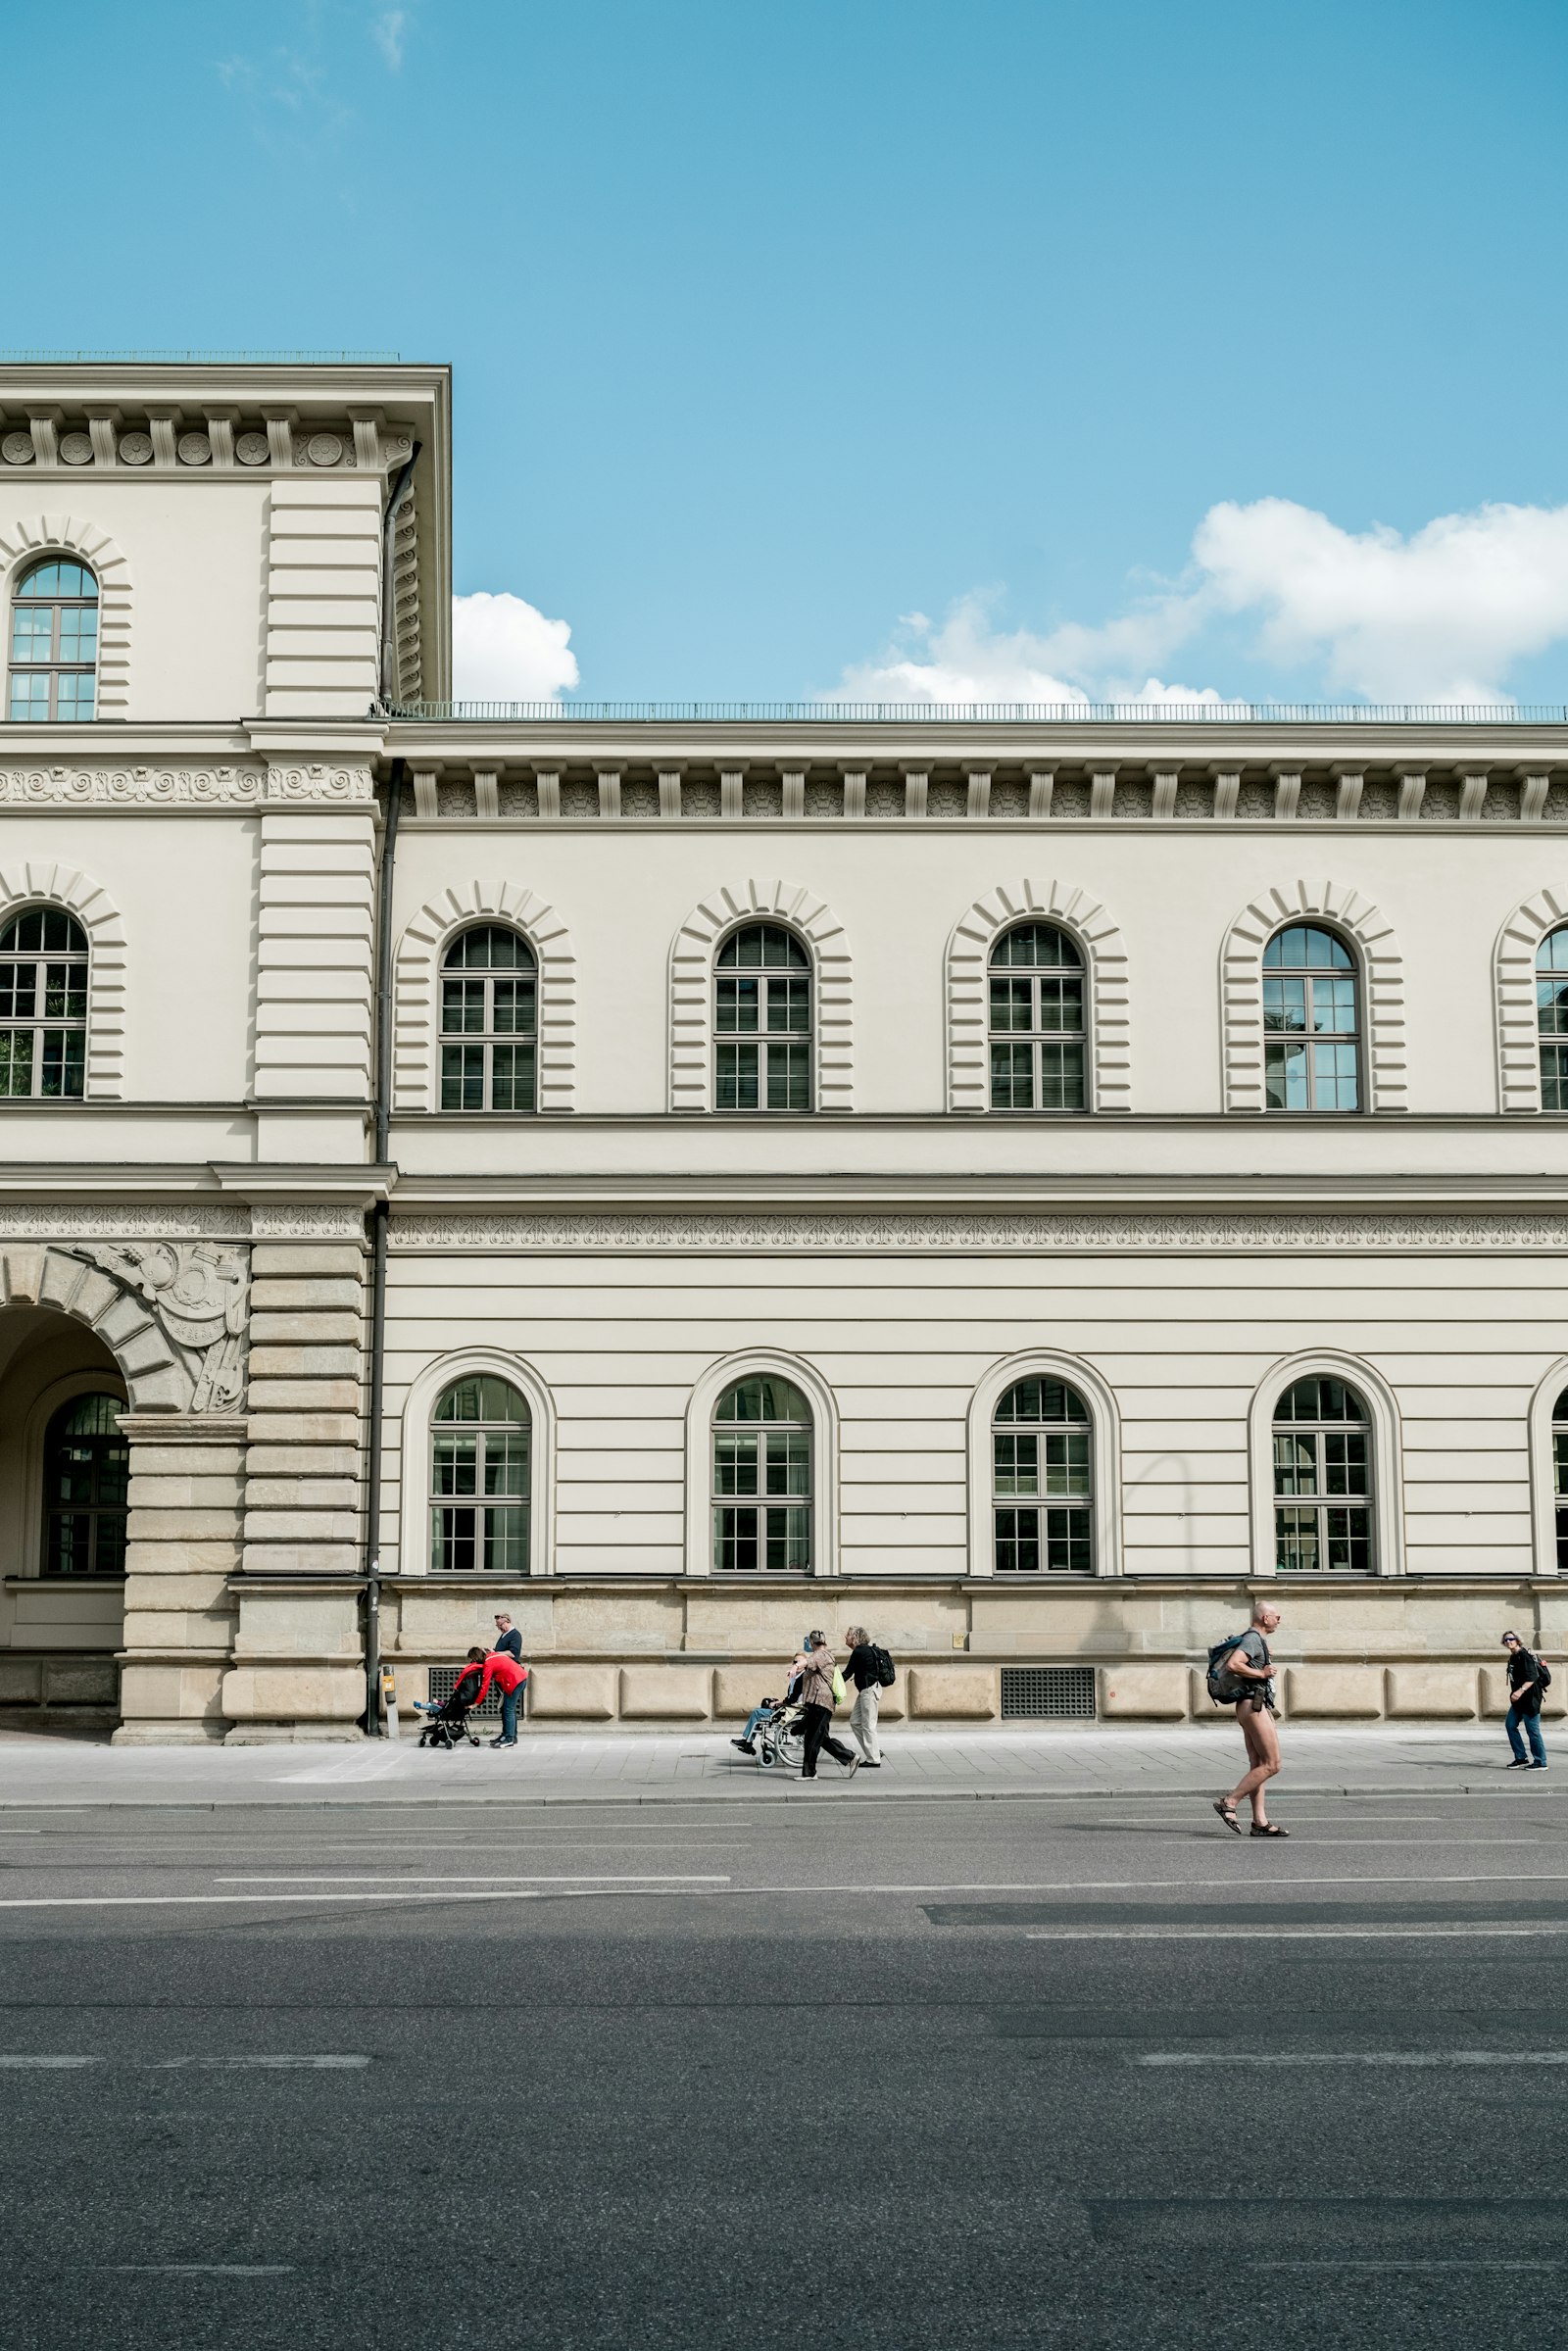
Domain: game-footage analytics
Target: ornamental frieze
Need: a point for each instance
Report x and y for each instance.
(959, 1234)
(249, 786)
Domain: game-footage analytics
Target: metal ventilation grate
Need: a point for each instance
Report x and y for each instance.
(1054, 1692)
(442, 1678)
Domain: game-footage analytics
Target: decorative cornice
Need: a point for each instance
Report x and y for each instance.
(203, 787)
(835, 1235)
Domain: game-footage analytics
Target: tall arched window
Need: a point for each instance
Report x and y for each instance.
(763, 1021)
(1559, 1477)
(762, 1478)
(1042, 1458)
(43, 1005)
(86, 1469)
(479, 1479)
(1311, 1023)
(1036, 1020)
(489, 1021)
(1551, 1017)
(54, 641)
(1322, 1480)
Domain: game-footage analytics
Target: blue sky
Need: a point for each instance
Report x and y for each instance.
(779, 322)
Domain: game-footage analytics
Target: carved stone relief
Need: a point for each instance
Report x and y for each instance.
(172, 1313)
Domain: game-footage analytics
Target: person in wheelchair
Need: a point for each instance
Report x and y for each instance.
(772, 1711)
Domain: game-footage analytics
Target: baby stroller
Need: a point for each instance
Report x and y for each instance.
(448, 1723)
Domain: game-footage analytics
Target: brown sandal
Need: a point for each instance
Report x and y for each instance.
(1268, 1830)
(1227, 1813)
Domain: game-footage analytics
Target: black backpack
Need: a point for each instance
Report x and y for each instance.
(1223, 1687)
(1542, 1674)
(884, 1667)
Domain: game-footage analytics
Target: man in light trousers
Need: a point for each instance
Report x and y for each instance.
(861, 1669)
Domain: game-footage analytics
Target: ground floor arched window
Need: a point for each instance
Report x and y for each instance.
(1322, 1480)
(87, 1474)
(1042, 1456)
(480, 1478)
(762, 1500)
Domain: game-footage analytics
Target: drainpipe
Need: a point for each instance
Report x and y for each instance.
(379, 1213)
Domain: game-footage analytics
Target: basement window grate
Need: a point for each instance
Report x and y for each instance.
(442, 1678)
(1055, 1693)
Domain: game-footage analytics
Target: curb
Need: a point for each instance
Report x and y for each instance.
(350, 1796)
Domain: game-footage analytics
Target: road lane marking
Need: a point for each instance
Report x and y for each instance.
(29, 2064)
(319, 2065)
(1499, 2261)
(1251, 1934)
(215, 2268)
(1416, 2057)
(566, 1878)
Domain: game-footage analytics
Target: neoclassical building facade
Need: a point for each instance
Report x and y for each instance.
(1020, 1180)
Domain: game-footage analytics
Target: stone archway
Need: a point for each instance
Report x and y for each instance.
(171, 1316)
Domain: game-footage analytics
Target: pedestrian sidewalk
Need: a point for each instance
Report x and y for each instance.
(703, 1767)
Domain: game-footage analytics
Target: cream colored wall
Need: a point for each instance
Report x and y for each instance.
(899, 890)
(196, 549)
(185, 888)
(1182, 1340)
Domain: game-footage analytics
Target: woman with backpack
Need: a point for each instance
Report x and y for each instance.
(871, 1670)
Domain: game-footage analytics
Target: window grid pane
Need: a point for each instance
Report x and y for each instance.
(773, 1007)
(762, 1447)
(480, 1480)
(1047, 1007)
(490, 1001)
(1322, 1481)
(54, 644)
(43, 1007)
(1310, 992)
(86, 1483)
(1052, 1460)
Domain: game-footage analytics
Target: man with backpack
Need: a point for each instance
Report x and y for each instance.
(870, 1669)
(1240, 1673)
(1529, 1680)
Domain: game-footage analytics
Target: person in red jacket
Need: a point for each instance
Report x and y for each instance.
(509, 1678)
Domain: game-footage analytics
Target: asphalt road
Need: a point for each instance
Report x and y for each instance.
(900, 2076)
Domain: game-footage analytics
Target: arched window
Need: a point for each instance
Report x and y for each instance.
(1559, 1477)
(54, 641)
(479, 1479)
(86, 1468)
(762, 1478)
(1311, 1023)
(1551, 1018)
(1036, 1020)
(489, 1019)
(763, 1021)
(1041, 1457)
(43, 1005)
(1322, 1480)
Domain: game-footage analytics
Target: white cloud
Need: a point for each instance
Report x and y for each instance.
(503, 650)
(1442, 615)
(388, 33)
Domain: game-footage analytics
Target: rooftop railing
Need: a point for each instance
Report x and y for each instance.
(1018, 714)
(200, 359)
